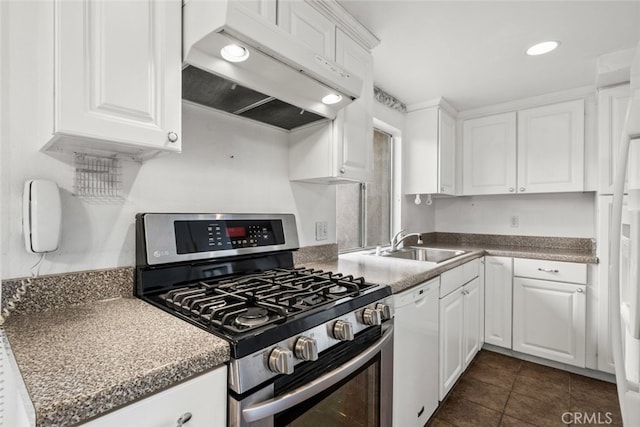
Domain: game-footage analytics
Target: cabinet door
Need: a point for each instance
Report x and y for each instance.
(549, 320)
(612, 109)
(447, 153)
(551, 148)
(353, 126)
(420, 152)
(118, 72)
(308, 26)
(471, 320)
(498, 293)
(451, 340)
(489, 155)
(266, 9)
(481, 276)
(205, 397)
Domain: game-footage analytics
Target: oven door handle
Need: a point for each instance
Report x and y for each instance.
(278, 404)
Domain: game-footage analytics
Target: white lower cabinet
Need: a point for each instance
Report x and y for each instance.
(549, 320)
(451, 340)
(549, 310)
(471, 332)
(498, 293)
(460, 324)
(204, 398)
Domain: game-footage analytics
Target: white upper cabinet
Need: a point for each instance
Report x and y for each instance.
(612, 109)
(308, 26)
(354, 123)
(267, 9)
(545, 155)
(117, 68)
(429, 152)
(341, 150)
(489, 155)
(551, 148)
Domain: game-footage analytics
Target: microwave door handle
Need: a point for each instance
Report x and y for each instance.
(278, 404)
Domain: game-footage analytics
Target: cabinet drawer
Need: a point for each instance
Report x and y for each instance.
(205, 397)
(458, 276)
(550, 270)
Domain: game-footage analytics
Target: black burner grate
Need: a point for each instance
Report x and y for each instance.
(231, 304)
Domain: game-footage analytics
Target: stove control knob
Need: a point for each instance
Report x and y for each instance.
(343, 330)
(281, 360)
(385, 311)
(306, 348)
(371, 317)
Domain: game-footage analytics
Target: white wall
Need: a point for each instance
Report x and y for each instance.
(561, 214)
(227, 165)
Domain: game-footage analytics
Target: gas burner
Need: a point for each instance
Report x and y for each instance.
(337, 290)
(254, 316)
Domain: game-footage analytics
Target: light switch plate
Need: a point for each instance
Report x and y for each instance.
(322, 230)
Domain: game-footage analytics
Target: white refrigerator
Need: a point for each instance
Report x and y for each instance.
(624, 267)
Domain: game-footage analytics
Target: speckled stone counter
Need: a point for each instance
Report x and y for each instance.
(398, 273)
(84, 346)
(79, 362)
(402, 274)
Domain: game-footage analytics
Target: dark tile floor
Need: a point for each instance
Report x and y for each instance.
(498, 390)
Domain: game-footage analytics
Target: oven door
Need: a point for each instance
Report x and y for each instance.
(348, 385)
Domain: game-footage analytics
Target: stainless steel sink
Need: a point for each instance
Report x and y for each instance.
(420, 253)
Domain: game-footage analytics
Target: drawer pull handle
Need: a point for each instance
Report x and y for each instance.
(184, 418)
(548, 270)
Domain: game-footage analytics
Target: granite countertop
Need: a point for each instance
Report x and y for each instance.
(398, 273)
(81, 361)
(401, 274)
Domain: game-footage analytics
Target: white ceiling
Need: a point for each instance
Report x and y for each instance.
(472, 52)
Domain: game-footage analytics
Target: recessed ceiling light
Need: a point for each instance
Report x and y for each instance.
(542, 48)
(234, 53)
(332, 98)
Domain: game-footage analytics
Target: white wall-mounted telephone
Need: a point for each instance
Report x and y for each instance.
(41, 216)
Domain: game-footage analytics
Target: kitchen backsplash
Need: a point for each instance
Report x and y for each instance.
(488, 240)
(62, 290)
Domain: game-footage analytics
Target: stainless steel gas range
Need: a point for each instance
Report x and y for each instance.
(308, 347)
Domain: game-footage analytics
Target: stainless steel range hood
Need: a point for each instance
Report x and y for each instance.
(282, 82)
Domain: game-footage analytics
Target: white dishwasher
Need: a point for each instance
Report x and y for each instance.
(415, 354)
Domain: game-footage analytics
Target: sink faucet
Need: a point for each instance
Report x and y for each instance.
(399, 238)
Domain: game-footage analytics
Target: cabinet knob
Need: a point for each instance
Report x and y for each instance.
(521, 189)
(342, 170)
(580, 290)
(184, 418)
(172, 136)
(511, 189)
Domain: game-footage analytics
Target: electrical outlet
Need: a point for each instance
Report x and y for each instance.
(515, 221)
(322, 230)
